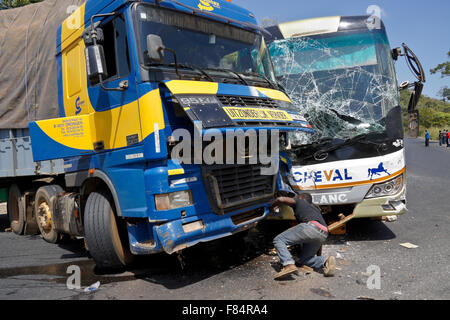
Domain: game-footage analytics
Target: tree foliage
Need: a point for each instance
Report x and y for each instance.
(444, 93)
(443, 68)
(8, 4)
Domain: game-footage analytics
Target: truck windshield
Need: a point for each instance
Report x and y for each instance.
(211, 46)
(344, 83)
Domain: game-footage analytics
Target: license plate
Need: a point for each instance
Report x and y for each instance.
(257, 114)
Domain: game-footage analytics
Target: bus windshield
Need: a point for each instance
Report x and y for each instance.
(344, 82)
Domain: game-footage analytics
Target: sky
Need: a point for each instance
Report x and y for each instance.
(424, 25)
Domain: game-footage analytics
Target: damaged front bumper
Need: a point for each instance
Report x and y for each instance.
(382, 206)
(179, 234)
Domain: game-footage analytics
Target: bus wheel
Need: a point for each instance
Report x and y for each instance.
(44, 210)
(106, 236)
(16, 210)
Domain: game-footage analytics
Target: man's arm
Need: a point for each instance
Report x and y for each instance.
(282, 200)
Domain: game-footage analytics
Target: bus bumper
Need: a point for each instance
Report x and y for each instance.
(383, 206)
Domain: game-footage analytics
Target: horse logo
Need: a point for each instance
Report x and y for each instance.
(377, 171)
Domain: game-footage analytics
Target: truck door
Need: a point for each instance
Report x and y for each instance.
(116, 120)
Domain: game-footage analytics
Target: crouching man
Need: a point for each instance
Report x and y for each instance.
(311, 232)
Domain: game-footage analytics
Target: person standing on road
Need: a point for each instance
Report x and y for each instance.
(311, 232)
(445, 137)
(448, 139)
(427, 138)
(440, 137)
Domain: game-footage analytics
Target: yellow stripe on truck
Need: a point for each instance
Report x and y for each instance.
(192, 87)
(111, 126)
(274, 94)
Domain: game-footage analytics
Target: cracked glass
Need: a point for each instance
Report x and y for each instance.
(344, 83)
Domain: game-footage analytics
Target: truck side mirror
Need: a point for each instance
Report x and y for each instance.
(155, 48)
(96, 63)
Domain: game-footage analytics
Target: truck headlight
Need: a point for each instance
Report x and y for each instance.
(387, 188)
(173, 200)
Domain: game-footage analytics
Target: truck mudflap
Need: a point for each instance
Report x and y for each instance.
(180, 234)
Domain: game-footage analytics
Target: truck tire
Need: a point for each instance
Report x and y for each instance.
(106, 236)
(44, 205)
(16, 210)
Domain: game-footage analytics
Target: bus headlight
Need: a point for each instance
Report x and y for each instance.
(387, 188)
(173, 200)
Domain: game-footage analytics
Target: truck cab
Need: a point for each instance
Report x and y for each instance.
(146, 88)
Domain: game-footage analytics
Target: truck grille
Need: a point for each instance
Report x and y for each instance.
(237, 101)
(237, 186)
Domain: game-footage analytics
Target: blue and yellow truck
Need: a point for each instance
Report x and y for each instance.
(129, 74)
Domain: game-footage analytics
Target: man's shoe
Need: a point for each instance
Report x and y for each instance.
(330, 267)
(287, 270)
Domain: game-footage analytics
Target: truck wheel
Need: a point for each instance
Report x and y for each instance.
(44, 211)
(16, 210)
(106, 236)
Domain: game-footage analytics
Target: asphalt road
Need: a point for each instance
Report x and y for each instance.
(243, 268)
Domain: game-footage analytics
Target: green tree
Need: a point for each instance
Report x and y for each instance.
(443, 68)
(444, 93)
(7, 4)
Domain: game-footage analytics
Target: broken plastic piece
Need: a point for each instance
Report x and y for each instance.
(92, 287)
(409, 245)
(391, 218)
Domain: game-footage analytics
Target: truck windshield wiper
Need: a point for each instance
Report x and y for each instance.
(194, 67)
(184, 66)
(232, 72)
(257, 75)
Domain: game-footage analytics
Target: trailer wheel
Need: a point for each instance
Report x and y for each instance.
(106, 236)
(44, 211)
(16, 210)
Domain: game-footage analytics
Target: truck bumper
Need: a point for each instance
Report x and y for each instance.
(179, 234)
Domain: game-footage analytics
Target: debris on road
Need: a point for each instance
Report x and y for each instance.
(92, 287)
(322, 292)
(391, 218)
(364, 298)
(409, 245)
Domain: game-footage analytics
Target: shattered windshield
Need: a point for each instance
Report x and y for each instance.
(344, 83)
(204, 44)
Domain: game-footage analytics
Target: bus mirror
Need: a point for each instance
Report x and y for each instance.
(415, 96)
(404, 85)
(396, 53)
(96, 63)
(155, 48)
